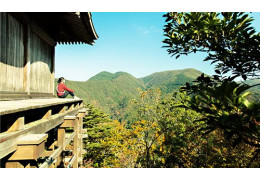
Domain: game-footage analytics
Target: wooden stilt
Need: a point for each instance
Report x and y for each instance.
(61, 143)
(76, 143)
(81, 114)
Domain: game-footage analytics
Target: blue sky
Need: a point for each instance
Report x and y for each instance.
(129, 42)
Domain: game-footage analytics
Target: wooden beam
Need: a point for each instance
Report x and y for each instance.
(17, 125)
(81, 104)
(72, 162)
(44, 36)
(82, 113)
(68, 121)
(9, 107)
(22, 17)
(47, 153)
(32, 139)
(52, 158)
(30, 147)
(63, 109)
(84, 131)
(14, 164)
(77, 105)
(47, 115)
(76, 143)
(61, 143)
(71, 137)
(8, 141)
(72, 107)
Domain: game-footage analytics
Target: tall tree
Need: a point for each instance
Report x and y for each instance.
(233, 45)
(229, 39)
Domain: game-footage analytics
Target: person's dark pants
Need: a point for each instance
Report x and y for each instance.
(66, 94)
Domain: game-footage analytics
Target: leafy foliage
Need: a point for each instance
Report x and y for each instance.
(162, 135)
(225, 106)
(98, 126)
(232, 43)
(228, 38)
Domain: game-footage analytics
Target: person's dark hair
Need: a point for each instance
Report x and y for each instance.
(60, 79)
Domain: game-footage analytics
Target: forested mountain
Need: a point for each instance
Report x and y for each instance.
(112, 92)
(168, 81)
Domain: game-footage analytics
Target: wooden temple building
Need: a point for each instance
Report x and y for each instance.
(37, 129)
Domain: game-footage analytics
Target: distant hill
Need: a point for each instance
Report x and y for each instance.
(108, 91)
(255, 90)
(169, 81)
(112, 91)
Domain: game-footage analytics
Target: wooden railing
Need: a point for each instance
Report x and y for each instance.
(53, 141)
(75, 122)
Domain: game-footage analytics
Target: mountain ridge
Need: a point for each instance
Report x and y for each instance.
(112, 92)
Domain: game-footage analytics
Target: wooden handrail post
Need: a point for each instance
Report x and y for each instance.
(61, 143)
(81, 114)
(76, 142)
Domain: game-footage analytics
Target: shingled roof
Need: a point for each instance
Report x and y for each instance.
(67, 27)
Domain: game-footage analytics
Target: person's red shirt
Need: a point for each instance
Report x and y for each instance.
(61, 89)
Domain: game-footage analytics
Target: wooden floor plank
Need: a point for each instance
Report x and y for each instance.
(8, 107)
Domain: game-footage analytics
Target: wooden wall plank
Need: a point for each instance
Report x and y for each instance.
(11, 62)
(41, 57)
(26, 65)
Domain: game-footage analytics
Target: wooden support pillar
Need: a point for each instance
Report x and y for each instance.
(87, 111)
(61, 143)
(61, 137)
(68, 122)
(81, 114)
(17, 125)
(76, 142)
(80, 140)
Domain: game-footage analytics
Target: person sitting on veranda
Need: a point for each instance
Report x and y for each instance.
(63, 91)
